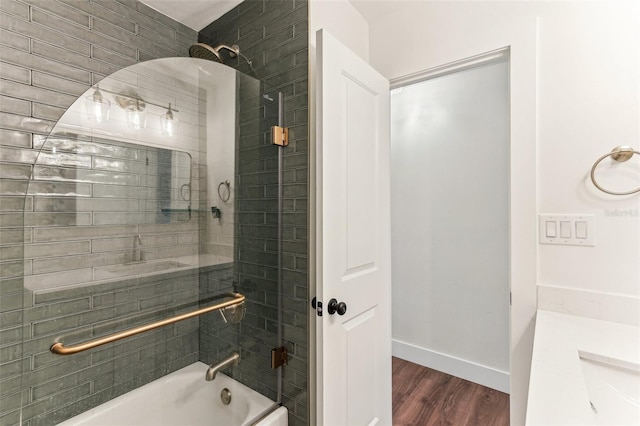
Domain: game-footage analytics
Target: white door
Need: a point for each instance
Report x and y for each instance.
(353, 236)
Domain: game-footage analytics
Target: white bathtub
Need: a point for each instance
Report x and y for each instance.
(184, 398)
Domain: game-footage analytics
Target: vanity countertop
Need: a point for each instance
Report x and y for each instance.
(114, 273)
(558, 390)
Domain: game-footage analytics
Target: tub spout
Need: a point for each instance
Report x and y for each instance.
(230, 361)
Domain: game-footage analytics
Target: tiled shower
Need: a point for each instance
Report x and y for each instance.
(51, 52)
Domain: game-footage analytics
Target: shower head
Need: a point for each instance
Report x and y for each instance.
(204, 51)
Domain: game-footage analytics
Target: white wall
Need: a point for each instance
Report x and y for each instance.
(575, 80)
(343, 21)
(450, 223)
(589, 102)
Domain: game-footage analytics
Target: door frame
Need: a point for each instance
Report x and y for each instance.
(520, 35)
(497, 379)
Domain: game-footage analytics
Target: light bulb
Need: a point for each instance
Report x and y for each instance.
(97, 106)
(169, 123)
(136, 116)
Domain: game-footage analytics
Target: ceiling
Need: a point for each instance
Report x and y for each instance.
(195, 14)
(374, 10)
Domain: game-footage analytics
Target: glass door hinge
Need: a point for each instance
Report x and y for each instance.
(280, 135)
(279, 357)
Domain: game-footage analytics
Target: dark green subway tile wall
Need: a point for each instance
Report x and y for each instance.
(51, 51)
(274, 36)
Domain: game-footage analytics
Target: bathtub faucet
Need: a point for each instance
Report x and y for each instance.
(230, 361)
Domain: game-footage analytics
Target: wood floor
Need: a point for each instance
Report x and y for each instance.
(422, 396)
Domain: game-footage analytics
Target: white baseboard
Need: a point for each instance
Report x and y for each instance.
(467, 370)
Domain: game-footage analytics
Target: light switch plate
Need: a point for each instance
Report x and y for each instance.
(570, 229)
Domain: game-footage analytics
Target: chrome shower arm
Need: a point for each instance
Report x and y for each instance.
(235, 49)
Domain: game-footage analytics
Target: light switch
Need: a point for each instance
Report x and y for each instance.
(581, 229)
(551, 229)
(565, 229)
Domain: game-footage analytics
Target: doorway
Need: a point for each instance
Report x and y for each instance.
(450, 219)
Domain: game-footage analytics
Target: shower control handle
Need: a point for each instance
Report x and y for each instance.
(335, 306)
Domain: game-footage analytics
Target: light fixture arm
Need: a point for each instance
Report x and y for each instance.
(131, 100)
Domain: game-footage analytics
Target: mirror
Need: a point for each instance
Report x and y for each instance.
(116, 191)
(124, 150)
(119, 182)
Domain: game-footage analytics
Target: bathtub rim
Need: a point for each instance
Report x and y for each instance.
(256, 421)
(263, 415)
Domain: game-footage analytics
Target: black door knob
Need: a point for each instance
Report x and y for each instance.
(335, 306)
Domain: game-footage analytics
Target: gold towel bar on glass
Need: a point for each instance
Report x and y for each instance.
(60, 349)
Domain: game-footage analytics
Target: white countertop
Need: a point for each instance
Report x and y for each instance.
(53, 282)
(558, 392)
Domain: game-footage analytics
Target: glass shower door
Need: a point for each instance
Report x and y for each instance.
(132, 225)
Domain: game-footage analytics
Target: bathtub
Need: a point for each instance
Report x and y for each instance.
(185, 398)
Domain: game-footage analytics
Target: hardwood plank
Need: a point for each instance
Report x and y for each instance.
(423, 396)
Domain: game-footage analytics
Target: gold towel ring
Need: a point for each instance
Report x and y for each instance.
(620, 154)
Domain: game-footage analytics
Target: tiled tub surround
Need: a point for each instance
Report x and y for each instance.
(256, 247)
(274, 35)
(561, 389)
(50, 53)
(44, 68)
(58, 387)
(108, 241)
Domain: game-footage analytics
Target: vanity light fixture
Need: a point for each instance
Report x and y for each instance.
(169, 122)
(97, 106)
(136, 115)
(135, 110)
